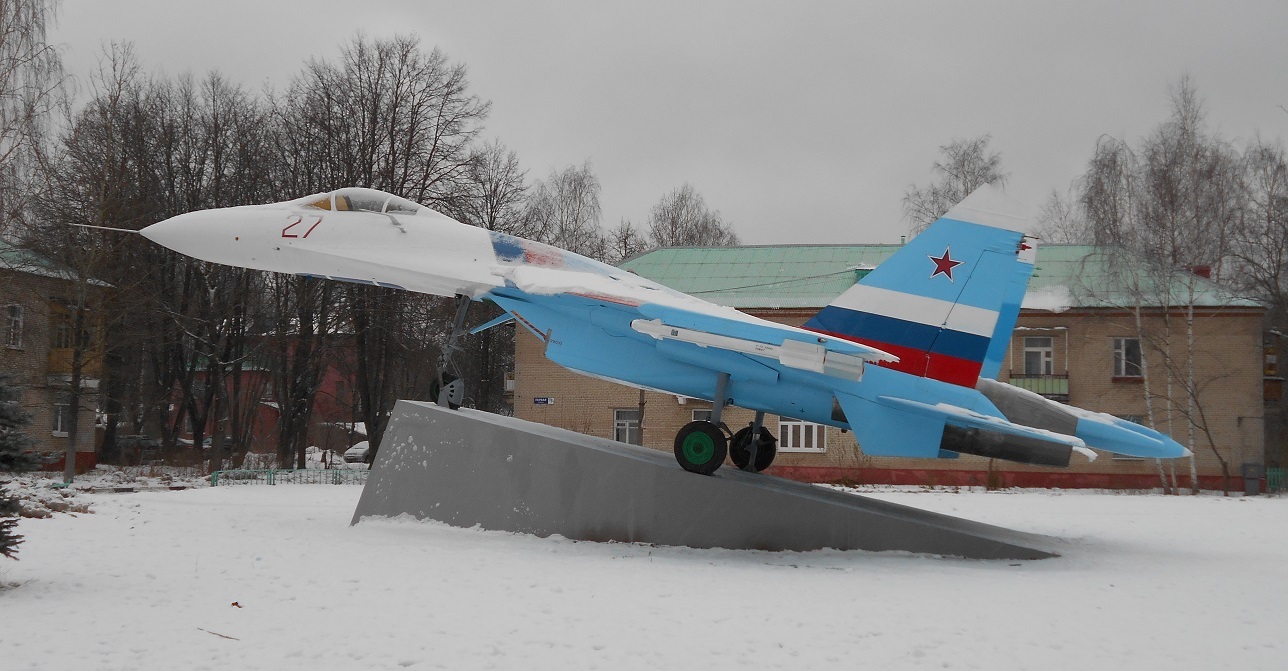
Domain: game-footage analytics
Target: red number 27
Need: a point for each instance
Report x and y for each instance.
(296, 221)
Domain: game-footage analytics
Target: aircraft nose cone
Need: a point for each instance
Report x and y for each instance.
(204, 234)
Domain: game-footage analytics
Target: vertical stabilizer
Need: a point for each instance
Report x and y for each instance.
(946, 302)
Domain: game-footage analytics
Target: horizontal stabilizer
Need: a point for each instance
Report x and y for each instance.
(962, 417)
(902, 427)
(1120, 436)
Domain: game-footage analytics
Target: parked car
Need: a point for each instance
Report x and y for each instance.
(358, 452)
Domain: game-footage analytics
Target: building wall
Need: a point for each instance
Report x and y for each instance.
(39, 369)
(1228, 369)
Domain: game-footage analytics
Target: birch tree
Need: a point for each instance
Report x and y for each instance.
(1168, 211)
(681, 218)
(965, 165)
(31, 77)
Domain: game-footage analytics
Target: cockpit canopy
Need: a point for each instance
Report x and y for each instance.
(358, 199)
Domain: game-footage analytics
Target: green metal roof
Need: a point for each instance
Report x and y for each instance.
(13, 257)
(810, 276)
(785, 276)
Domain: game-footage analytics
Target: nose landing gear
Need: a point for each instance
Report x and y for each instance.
(448, 389)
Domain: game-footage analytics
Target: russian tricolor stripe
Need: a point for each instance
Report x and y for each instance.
(932, 337)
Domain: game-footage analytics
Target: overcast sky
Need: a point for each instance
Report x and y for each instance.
(801, 121)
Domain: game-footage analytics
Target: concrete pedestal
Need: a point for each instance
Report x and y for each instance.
(468, 468)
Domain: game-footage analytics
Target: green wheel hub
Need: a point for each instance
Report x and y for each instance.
(699, 448)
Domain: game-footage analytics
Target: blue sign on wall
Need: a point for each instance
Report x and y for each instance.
(543, 400)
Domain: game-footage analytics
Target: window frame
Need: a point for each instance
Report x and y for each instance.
(14, 320)
(62, 334)
(1122, 361)
(785, 444)
(62, 409)
(1046, 363)
(631, 426)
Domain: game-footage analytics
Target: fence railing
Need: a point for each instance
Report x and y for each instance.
(1275, 480)
(275, 476)
(1051, 386)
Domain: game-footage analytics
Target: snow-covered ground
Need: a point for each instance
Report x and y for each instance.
(259, 577)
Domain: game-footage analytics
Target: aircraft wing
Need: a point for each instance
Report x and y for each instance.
(969, 419)
(671, 318)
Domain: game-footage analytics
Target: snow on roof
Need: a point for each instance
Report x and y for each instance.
(18, 259)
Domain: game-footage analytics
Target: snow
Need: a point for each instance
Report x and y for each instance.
(1056, 298)
(149, 581)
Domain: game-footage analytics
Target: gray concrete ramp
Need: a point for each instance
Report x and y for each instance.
(469, 468)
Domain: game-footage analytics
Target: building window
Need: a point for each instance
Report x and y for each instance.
(797, 436)
(1038, 355)
(62, 415)
(1127, 358)
(702, 415)
(63, 331)
(13, 326)
(626, 426)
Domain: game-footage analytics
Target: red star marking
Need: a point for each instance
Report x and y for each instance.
(944, 265)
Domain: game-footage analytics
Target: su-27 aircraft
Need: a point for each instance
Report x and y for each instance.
(906, 358)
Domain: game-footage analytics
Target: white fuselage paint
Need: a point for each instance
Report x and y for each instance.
(429, 253)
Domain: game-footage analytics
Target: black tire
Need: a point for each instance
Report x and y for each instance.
(435, 390)
(700, 447)
(740, 449)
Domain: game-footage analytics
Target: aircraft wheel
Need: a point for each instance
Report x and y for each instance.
(700, 447)
(740, 449)
(454, 387)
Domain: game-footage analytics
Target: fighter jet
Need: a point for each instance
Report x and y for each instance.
(907, 358)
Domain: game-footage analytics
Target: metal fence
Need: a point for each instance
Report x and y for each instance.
(1050, 386)
(1275, 480)
(274, 476)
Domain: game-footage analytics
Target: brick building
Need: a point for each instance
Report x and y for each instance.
(1078, 340)
(35, 349)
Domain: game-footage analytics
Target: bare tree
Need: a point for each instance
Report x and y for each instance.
(625, 241)
(88, 180)
(1260, 246)
(1061, 220)
(492, 193)
(681, 218)
(389, 115)
(31, 77)
(563, 210)
(965, 166)
(1168, 211)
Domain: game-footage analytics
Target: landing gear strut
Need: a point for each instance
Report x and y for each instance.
(753, 454)
(701, 446)
(448, 389)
